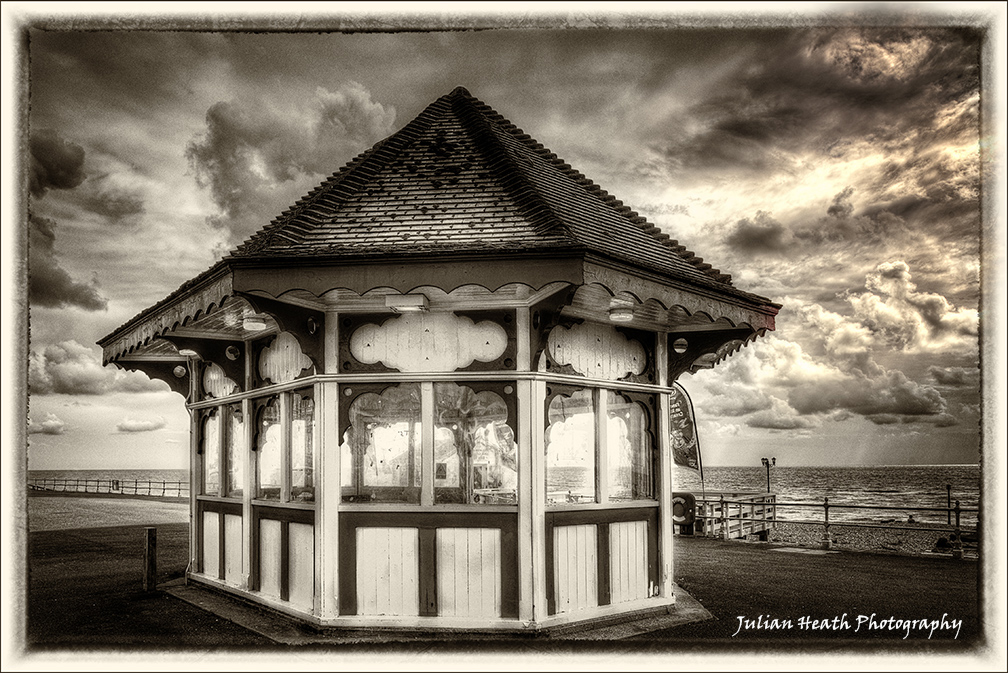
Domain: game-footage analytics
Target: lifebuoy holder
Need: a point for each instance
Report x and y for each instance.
(683, 509)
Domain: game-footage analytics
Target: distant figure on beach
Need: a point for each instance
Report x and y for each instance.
(910, 519)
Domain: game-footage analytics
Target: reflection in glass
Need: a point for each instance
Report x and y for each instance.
(630, 450)
(302, 433)
(211, 453)
(381, 447)
(234, 450)
(570, 448)
(268, 449)
(475, 456)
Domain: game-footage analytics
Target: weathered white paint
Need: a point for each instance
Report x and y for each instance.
(216, 383)
(575, 561)
(468, 572)
(301, 587)
(597, 351)
(211, 544)
(282, 361)
(428, 342)
(233, 549)
(628, 579)
(388, 571)
(269, 557)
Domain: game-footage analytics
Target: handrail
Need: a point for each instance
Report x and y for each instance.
(137, 487)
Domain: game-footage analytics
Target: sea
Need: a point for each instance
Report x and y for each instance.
(879, 486)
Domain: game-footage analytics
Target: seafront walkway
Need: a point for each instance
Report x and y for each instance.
(84, 592)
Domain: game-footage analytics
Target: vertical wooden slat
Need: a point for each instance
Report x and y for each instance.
(410, 570)
(429, 569)
(395, 558)
(542, 571)
(210, 544)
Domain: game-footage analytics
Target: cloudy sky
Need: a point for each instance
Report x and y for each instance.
(836, 170)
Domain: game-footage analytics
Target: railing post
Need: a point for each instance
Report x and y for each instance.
(957, 548)
(827, 541)
(724, 522)
(948, 514)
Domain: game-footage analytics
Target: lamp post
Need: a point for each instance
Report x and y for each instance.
(767, 462)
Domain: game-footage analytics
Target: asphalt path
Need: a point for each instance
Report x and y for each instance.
(84, 593)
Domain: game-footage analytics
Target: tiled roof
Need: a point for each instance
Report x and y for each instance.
(460, 178)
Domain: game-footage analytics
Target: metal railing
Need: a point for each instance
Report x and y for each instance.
(139, 487)
(759, 513)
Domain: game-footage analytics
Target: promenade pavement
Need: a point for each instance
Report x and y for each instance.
(84, 594)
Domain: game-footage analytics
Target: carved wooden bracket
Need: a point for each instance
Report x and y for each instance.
(218, 351)
(544, 317)
(163, 370)
(304, 323)
(699, 344)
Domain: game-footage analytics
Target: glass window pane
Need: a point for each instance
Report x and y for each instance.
(381, 447)
(211, 453)
(268, 450)
(475, 455)
(630, 451)
(302, 436)
(235, 450)
(570, 449)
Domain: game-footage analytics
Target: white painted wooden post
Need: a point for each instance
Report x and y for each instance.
(285, 446)
(248, 490)
(601, 445)
(524, 391)
(328, 482)
(427, 444)
(665, 485)
(195, 477)
(538, 505)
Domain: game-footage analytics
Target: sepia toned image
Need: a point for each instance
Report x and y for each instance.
(555, 336)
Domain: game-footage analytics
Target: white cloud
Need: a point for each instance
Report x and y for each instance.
(140, 425)
(73, 369)
(52, 425)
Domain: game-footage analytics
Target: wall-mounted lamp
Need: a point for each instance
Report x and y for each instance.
(254, 323)
(407, 303)
(621, 313)
(187, 352)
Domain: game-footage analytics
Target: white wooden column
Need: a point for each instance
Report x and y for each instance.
(601, 397)
(526, 495)
(327, 483)
(249, 487)
(538, 504)
(665, 485)
(195, 477)
(427, 444)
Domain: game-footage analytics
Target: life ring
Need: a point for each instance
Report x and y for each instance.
(683, 509)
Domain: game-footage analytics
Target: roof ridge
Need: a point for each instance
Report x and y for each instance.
(595, 190)
(480, 119)
(347, 174)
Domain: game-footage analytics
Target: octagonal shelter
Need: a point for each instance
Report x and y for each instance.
(435, 391)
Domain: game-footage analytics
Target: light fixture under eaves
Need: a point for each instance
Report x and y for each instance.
(254, 323)
(187, 352)
(621, 313)
(406, 303)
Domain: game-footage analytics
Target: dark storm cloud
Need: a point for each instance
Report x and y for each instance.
(949, 376)
(760, 234)
(55, 163)
(111, 203)
(890, 393)
(48, 283)
(247, 152)
(73, 369)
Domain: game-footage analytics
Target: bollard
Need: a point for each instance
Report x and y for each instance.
(827, 541)
(150, 559)
(957, 550)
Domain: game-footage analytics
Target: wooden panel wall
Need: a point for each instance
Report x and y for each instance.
(575, 560)
(596, 350)
(233, 548)
(387, 571)
(269, 557)
(282, 360)
(302, 566)
(211, 544)
(428, 342)
(469, 572)
(628, 561)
